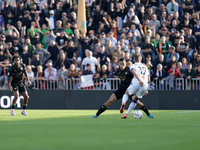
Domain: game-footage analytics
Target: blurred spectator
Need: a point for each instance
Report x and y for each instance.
(30, 74)
(44, 54)
(36, 62)
(62, 60)
(70, 51)
(171, 53)
(172, 7)
(173, 73)
(180, 69)
(197, 74)
(62, 75)
(189, 73)
(118, 52)
(184, 63)
(102, 56)
(159, 75)
(26, 56)
(53, 50)
(50, 72)
(196, 61)
(89, 60)
(49, 36)
(72, 73)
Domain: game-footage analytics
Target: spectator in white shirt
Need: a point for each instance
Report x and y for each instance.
(89, 60)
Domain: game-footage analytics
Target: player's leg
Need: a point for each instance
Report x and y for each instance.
(103, 108)
(132, 105)
(142, 107)
(130, 90)
(24, 93)
(16, 96)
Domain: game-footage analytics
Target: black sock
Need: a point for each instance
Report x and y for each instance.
(13, 106)
(101, 110)
(24, 107)
(145, 110)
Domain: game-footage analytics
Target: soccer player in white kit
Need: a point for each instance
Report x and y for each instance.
(138, 86)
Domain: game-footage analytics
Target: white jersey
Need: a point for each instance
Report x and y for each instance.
(142, 72)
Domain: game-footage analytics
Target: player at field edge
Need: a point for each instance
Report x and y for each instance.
(124, 73)
(138, 86)
(15, 77)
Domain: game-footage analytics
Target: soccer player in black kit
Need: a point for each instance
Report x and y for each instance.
(126, 76)
(15, 76)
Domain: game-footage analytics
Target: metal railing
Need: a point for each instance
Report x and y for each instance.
(106, 84)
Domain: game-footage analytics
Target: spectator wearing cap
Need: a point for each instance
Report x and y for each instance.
(172, 6)
(25, 55)
(89, 60)
(171, 53)
(44, 55)
(189, 73)
(53, 50)
(130, 18)
(50, 72)
(182, 47)
(62, 60)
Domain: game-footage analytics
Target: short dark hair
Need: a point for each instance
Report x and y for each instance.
(137, 56)
(122, 59)
(15, 57)
(88, 65)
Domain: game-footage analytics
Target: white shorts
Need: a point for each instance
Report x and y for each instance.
(136, 89)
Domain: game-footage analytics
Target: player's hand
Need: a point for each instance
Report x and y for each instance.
(10, 88)
(141, 83)
(29, 83)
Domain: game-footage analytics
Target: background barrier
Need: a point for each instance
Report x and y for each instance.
(93, 99)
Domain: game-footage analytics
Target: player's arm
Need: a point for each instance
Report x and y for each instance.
(137, 77)
(149, 80)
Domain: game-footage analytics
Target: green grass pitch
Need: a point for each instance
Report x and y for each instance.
(74, 130)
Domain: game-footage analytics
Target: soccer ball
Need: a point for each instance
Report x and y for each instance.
(137, 114)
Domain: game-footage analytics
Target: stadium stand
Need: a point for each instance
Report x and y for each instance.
(44, 33)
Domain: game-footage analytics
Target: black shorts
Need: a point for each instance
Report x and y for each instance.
(120, 92)
(18, 87)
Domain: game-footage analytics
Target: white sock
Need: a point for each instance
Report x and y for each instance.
(124, 98)
(131, 107)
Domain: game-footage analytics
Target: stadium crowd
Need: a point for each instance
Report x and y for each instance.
(44, 33)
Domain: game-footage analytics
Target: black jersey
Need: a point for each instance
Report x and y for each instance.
(125, 76)
(16, 74)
